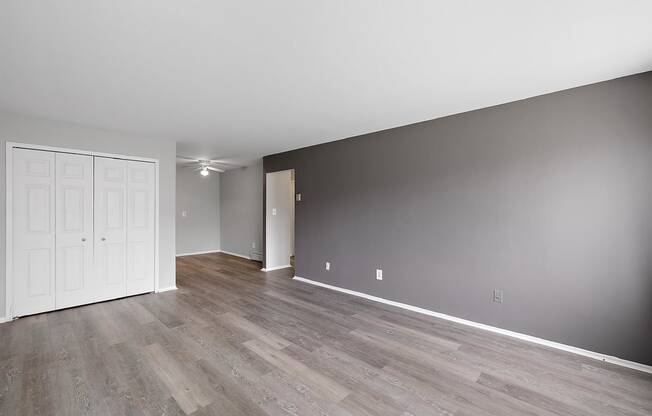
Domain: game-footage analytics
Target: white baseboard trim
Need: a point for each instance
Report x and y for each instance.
(198, 252)
(269, 269)
(166, 289)
(3, 320)
(230, 253)
(586, 353)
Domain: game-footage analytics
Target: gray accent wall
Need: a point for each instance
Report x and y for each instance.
(16, 128)
(199, 197)
(241, 210)
(548, 199)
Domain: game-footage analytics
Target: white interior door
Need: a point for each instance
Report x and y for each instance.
(75, 283)
(141, 223)
(33, 231)
(110, 227)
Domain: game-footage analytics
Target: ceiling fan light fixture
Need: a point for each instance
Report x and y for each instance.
(204, 171)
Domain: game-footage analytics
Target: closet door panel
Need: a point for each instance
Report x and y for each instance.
(110, 227)
(75, 283)
(33, 231)
(141, 223)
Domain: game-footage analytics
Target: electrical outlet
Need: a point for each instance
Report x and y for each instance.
(328, 265)
(273, 211)
(379, 274)
(498, 296)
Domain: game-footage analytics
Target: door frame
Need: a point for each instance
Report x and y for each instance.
(9, 199)
(266, 220)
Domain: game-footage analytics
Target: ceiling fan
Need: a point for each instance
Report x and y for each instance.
(205, 166)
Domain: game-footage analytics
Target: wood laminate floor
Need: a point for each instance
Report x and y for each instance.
(235, 341)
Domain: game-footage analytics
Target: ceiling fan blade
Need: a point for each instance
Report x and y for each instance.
(225, 166)
(215, 169)
(188, 159)
(219, 162)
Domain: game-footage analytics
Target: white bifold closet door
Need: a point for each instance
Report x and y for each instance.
(84, 229)
(75, 282)
(141, 227)
(124, 227)
(33, 231)
(110, 227)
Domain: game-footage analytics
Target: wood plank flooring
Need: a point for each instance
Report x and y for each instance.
(235, 341)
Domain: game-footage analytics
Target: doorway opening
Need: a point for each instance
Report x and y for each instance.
(279, 219)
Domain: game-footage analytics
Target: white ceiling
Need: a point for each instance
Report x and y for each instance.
(239, 79)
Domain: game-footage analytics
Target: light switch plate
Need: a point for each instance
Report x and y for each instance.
(273, 211)
(379, 274)
(297, 197)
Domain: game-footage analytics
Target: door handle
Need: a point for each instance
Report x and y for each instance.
(103, 239)
(83, 239)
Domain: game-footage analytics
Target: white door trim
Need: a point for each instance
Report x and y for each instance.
(9, 247)
(268, 236)
(9, 278)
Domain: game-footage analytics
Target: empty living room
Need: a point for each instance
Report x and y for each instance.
(345, 208)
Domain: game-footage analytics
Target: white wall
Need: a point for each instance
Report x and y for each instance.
(30, 130)
(278, 219)
(199, 197)
(241, 211)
